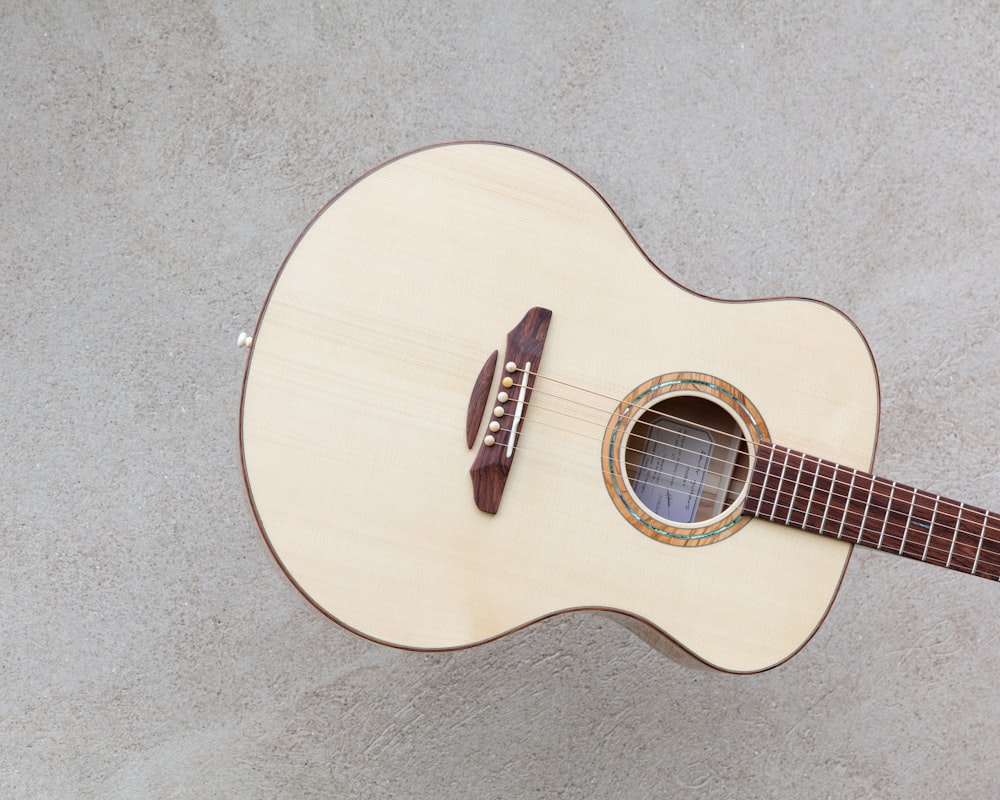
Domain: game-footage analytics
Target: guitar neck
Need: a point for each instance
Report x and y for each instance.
(823, 497)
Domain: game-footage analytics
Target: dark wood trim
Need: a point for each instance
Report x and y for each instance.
(493, 461)
(823, 497)
(477, 400)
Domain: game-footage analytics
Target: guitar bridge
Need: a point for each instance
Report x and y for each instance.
(499, 445)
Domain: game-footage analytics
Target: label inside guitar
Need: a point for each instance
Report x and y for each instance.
(671, 474)
(686, 460)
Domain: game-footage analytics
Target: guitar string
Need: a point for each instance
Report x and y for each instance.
(886, 530)
(935, 555)
(361, 344)
(939, 551)
(737, 451)
(873, 526)
(605, 414)
(962, 517)
(448, 343)
(596, 422)
(641, 440)
(663, 416)
(875, 480)
(366, 346)
(629, 406)
(653, 473)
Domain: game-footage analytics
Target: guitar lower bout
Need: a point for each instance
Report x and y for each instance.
(378, 376)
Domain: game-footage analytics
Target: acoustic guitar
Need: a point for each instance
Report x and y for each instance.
(472, 402)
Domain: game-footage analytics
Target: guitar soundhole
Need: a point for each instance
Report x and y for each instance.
(677, 456)
(686, 460)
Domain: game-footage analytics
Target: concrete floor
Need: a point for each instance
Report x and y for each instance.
(158, 162)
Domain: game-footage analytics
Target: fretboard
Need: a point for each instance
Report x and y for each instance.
(823, 497)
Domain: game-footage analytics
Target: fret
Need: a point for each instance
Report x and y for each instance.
(777, 493)
(847, 503)
(795, 488)
(764, 479)
(812, 496)
(954, 539)
(989, 544)
(969, 539)
(979, 547)
(901, 524)
(868, 505)
(930, 528)
(909, 521)
(987, 563)
(885, 522)
(826, 506)
(796, 516)
(835, 501)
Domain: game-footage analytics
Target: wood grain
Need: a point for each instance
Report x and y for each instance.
(855, 506)
(478, 397)
(496, 456)
(356, 395)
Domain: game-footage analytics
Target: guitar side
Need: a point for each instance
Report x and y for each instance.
(353, 419)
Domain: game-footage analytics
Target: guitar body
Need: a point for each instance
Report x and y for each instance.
(356, 406)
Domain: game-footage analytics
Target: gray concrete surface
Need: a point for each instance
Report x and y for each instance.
(158, 162)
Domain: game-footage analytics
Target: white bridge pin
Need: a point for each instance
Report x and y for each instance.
(244, 340)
